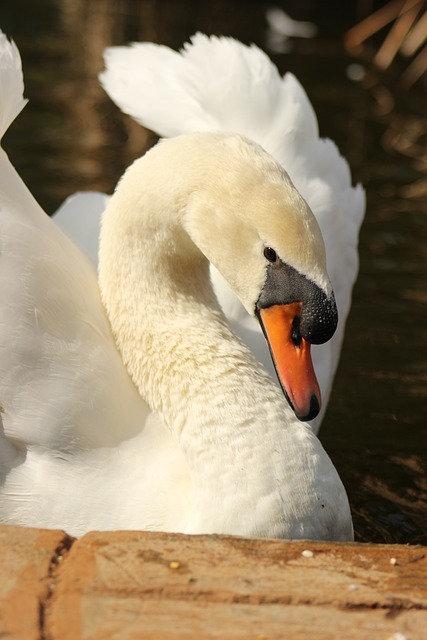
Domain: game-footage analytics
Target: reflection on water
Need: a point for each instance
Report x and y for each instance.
(72, 138)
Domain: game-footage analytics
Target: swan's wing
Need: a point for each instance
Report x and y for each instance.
(212, 84)
(11, 84)
(220, 84)
(62, 382)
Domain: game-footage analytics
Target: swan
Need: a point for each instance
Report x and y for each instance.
(127, 401)
(145, 79)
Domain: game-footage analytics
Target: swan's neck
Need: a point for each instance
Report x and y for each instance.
(179, 350)
(247, 455)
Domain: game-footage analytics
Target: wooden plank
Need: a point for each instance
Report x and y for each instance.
(149, 585)
(27, 557)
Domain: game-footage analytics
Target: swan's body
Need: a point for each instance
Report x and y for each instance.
(181, 429)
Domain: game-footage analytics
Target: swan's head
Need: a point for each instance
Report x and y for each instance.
(253, 225)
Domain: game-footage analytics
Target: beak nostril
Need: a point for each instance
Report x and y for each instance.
(296, 333)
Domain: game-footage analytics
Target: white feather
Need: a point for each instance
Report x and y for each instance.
(11, 84)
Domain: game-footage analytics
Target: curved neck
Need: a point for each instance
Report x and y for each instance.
(179, 350)
(246, 452)
(192, 370)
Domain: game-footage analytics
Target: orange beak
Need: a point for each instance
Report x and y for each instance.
(291, 357)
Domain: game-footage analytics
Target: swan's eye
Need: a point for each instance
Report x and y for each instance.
(270, 254)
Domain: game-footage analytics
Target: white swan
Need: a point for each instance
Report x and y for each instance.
(217, 448)
(218, 84)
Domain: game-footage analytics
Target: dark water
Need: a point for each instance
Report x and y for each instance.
(72, 138)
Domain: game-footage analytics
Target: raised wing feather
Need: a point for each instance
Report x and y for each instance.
(11, 83)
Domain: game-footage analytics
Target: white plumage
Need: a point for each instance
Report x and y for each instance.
(81, 448)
